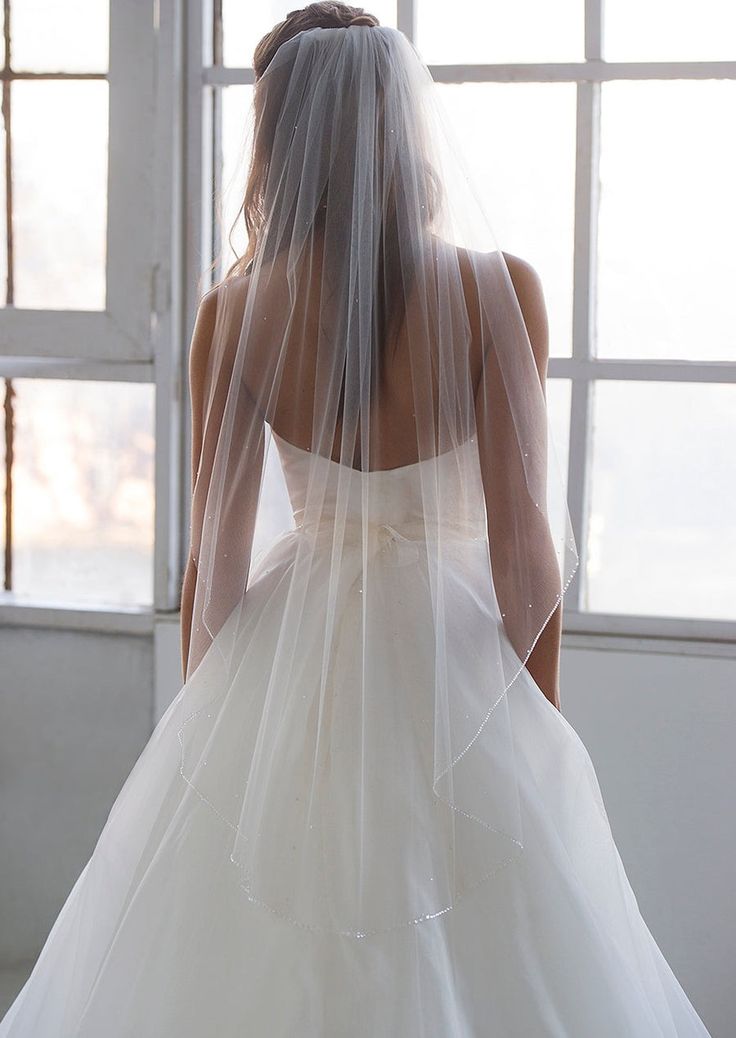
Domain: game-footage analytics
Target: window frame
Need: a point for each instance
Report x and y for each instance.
(140, 336)
(120, 332)
(166, 178)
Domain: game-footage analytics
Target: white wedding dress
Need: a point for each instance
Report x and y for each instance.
(158, 939)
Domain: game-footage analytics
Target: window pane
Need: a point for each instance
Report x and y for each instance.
(669, 30)
(60, 132)
(662, 537)
(245, 24)
(520, 143)
(558, 406)
(83, 491)
(59, 37)
(235, 150)
(667, 221)
(488, 31)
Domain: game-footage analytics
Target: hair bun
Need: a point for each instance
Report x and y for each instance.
(363, 19)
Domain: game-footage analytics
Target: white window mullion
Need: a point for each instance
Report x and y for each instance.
(406, 18)
(634, 370)
(130, 185)
(216, 168)
(77, 368)
(197, 244)
(593, 71)
(67, 333)
(584, 298)
(168, 328)
(579, 454)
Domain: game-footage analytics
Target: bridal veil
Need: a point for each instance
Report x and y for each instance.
(374, 344)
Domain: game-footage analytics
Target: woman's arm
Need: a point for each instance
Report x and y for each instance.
(544, 660)
(199, 352)
(510, 532)
(187, 605)
(232, 454)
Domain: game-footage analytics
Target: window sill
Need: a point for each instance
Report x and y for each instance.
(580, 630)
(58, 616)
(660, 634)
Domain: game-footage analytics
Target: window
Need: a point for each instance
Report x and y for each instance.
(82, 490)
(599, 136)
(603, 160)
(78, 311)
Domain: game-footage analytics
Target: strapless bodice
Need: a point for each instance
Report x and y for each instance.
(394, 495)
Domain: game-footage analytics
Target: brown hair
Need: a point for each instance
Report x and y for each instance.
(327, 14)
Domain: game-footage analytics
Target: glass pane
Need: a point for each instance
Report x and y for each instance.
(487, 32)
(72, 36)
(83, 480)
(667, 266)
(558, 406)
(524, 164)
(236, 141)
(60, 132)
(245, 24)
(669, 30)
(662, 537)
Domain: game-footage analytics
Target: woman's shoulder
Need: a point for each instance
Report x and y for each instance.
(235, 289)
(527, 286)
(520, 269)
(524, 276)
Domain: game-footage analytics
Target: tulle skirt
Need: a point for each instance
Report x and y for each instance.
(158, 938)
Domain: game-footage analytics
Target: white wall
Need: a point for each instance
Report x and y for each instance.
(75, 712)
(660, 729)
(77, 709)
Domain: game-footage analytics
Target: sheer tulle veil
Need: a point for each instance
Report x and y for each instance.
(374, 340)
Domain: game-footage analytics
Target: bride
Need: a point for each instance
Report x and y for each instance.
(364, 813)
